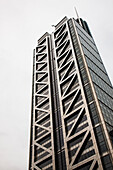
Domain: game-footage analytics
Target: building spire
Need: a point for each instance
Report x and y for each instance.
(77, 16)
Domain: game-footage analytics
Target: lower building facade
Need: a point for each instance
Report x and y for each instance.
(72, 102)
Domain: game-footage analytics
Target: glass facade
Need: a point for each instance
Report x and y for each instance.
(101, 82)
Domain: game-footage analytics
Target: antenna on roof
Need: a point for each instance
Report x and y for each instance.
(77, 16)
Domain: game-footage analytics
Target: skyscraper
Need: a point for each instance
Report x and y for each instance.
(72, 102)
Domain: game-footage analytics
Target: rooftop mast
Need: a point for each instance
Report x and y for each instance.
(78, 16)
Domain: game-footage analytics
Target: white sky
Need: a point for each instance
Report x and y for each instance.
(22, 22)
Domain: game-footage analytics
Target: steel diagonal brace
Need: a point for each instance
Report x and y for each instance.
(40, 138)
(41, 95)
(83, 162)
(43, 127)
(63, 38)
(43, 110)
(44, 148)
(43, 66)
(44, 75)
(58, 40)
(65, 44)
(61, 30)
(71, 93)
(69, 84)
(69, 77)
(93, 165)
(76, 120)
(78, 108)
(43, 55)
(43, 117)
(65, 65)
(67, 54)
(37, 168)
(80, 147)
(41, 62)
(42, 71)
(43, 87)
(42, 47)
(64, 54)
(42, 102)
(41, 98)
(77, 134)
(72, 101)
(43, 159)
(67, 70)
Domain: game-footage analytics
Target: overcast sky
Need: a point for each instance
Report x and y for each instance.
(22, 22)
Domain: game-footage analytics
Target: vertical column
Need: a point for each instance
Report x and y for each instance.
(43, 145)
(56, 110)
(32, 106)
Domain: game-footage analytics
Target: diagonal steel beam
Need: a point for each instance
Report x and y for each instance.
(41, 160)
(65, 44)
(42, 88)
(93, 165)
(42, 136)
(44, 116)
(66, 72)
(76, 120)
(77, 134)
(44, 148)
(63, 38)
(44, 75)
(66, 79)
(43, 110)
(37, 168)
(80, 147)
(83, 162)
(75, 75)
(42, 102)
(72, 101)
(43, 127)
(42, 66)
(67, 54)
(43, 55)
(61, 30)
(78, 108)
(60, 38)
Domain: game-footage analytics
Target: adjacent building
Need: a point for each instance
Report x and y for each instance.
(72, 102)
